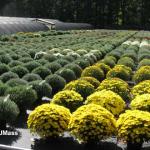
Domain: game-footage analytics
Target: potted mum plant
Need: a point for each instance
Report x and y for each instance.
(133, 127)
(91, 123)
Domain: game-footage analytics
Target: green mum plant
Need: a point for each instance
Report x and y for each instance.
(80, 86)
(8, 111)
(141, 88)
(141, 102)
(133, 126)
(56, 82)
(109, 100)
(127, 61)
(92, 123)
(49, 120)
(116, 85)
(3, 88)
(68, 98)
(23, 96)
(93, 71)
(42, 89)
(142, 74)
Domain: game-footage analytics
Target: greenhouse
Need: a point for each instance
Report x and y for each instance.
(10, 25)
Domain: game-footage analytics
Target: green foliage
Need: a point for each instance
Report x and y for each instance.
(82, 63)
(75, 68)
(49, 57)
(67, 74)
(53, 66)
(15, 63)
(62, 62)
(20, 71)
(6, 59)
(42, 89)
(127, 61)
(8, 111)
(23, 96)
(109, 61)
(4, 68)
(56, 82)
(16, 82)
(25, 59)
(144, 62)
(32, 65)
(3, 88)
(31, 77)
(43, 72)
(7, 76)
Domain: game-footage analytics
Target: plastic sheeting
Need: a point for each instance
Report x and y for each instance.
(10, 25)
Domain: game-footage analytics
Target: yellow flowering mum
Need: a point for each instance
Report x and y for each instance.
(109, 100)
(134, 126)
(80, 86)
(92, 81)
(142, 74)
(92, 123)
(141, 88)
(93, 71)
(120, 71)
(141, 102)
(103, 66)
(49, 120)
(116, 85)
(69, 99)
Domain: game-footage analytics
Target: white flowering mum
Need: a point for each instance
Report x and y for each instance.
(39, 54)
(144, 43)
(127, 43)
(136, 43)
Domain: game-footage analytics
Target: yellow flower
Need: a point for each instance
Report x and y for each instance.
(49, 120)
(92, 122)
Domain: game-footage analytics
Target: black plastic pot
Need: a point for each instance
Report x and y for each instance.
(2, 125)
(134, 146)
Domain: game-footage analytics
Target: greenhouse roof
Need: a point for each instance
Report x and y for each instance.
(10, 25)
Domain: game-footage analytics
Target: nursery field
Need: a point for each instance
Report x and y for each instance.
(79, 89)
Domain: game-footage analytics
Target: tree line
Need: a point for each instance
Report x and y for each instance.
(100, 13)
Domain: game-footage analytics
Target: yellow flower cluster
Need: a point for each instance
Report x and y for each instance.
(141, 88)
(49, 120)
(103, 66)
(141, 102)
(92, 123)
(80, 86)
(69, 99)
(109, 100)
(92, 81)
(120, 71)
(142, 74)
(93, 71)
(116, 85)
(134, 126)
